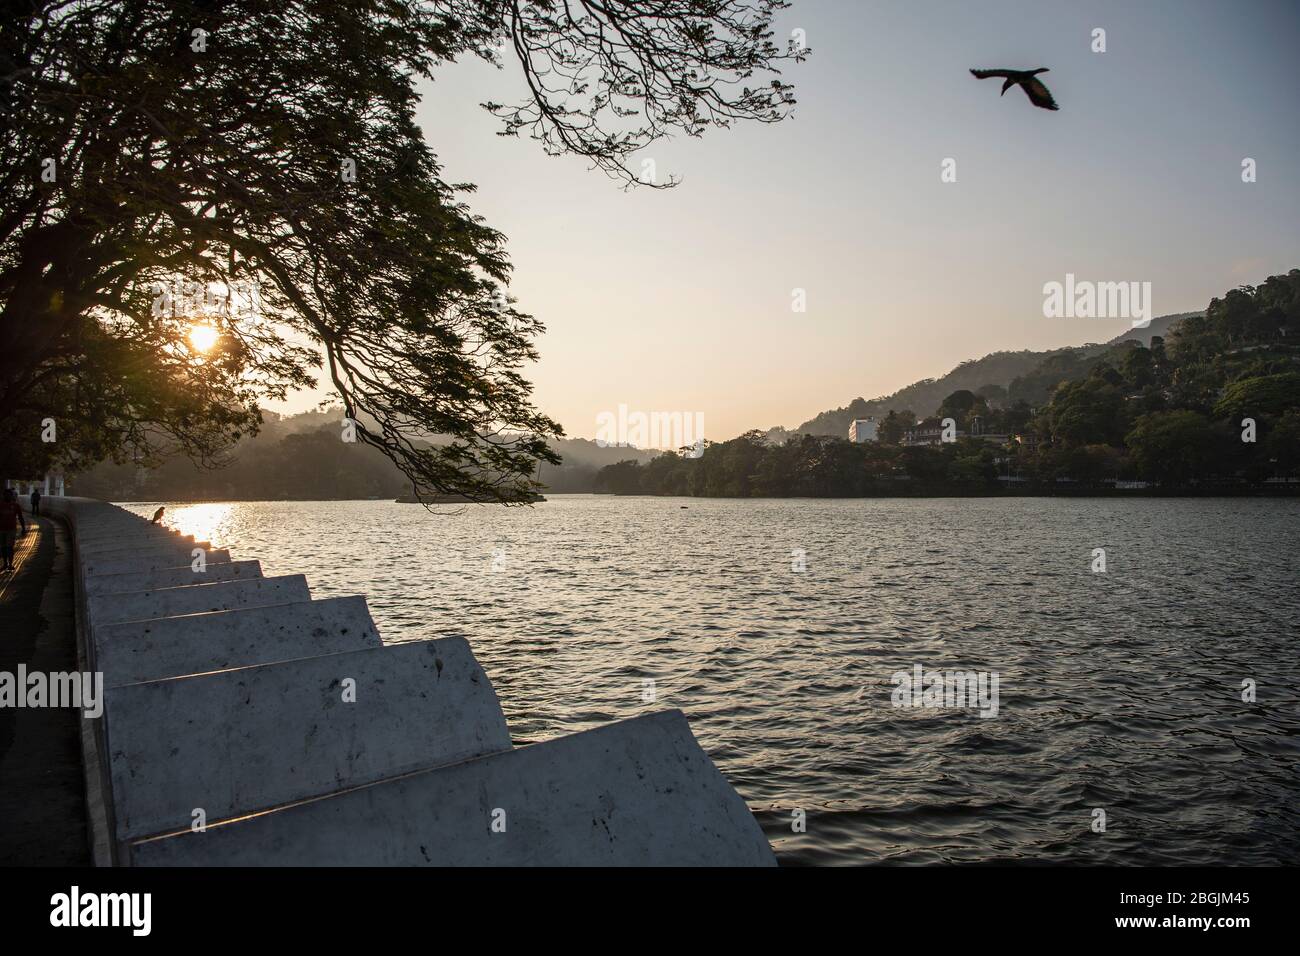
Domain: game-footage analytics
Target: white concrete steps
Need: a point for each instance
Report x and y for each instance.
(132, 542)
(198, 643)
(151, 559)
(107, 609)
(239, 741)
(106, 532)
(226, 694)
(640, 792)
(172, 577)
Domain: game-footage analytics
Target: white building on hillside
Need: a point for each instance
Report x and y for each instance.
(862, 429)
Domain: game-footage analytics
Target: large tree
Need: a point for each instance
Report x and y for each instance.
(204, 201)
(1175, 446)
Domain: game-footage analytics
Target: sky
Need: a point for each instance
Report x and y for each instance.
(681, 299)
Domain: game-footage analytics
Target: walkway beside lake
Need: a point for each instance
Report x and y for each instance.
(42, 789)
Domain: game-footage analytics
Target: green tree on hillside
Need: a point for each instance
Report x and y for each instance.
(1173, 447)
(1257, 397)
(1085, 412)
(891, 429)
(961, 406)
(1282, 445)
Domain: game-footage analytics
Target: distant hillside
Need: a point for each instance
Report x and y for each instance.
(1159, 326)
(302, 457)
(1026, 375)
(1213, 408)
(582, 459)
(923, 397)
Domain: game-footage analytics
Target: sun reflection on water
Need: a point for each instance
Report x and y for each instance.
(207, 522)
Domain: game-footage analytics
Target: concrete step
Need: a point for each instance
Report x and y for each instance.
(93, 520)
(102, 609)
(640, 792)
(199, 643)
(125, 550)
(239, 741)
(146, 560)
(97, 530)
(128, 539)
(173, 577)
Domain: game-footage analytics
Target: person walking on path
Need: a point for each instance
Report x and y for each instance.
(10, 518)
(36, 501)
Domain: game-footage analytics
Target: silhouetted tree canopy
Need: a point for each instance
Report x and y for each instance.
(268, 150)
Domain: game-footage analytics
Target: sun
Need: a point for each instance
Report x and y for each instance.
(203, 337)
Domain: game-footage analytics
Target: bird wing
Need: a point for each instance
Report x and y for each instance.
(985, 74)
(1038, 94)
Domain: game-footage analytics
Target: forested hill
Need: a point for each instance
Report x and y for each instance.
(1214, 408)
(303, 457)
(1161, 326)
(1024, 375)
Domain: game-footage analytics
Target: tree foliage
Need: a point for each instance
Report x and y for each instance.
(271, 147)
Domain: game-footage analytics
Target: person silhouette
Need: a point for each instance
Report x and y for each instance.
(10, 517)
(36, 501)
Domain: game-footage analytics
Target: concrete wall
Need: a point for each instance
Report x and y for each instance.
(305, 740)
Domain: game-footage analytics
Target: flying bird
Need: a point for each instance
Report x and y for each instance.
(157, 515)
(1027, 80)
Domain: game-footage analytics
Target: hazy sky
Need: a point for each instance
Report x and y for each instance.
(681, 299)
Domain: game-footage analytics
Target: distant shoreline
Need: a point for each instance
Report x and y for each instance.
(1284, 491)
(1292, 491)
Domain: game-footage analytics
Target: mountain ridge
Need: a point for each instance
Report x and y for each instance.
(996, 369)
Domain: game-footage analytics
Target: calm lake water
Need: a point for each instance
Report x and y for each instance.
(1118, 691)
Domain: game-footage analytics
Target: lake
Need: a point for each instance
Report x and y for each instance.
(778, 627)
